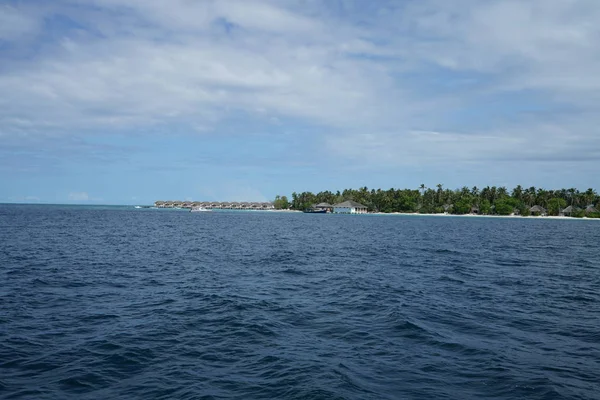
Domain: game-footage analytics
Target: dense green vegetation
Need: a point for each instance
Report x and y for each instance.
(489, 200)
(281, 203)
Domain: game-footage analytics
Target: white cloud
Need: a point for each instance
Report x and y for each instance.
(193, 16)
(373, 78)
(301, 71)
(543, 141)
(79, 196)
(530, 44)
(23, 199)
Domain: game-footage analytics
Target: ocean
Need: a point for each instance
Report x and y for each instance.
(124, 303)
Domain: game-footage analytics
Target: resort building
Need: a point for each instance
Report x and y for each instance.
(215, 205)
(538, 210)
(570, 210)
(349, 207)
(323, 206)
(590, 209)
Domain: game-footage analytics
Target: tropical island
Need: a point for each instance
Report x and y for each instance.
(426, 200)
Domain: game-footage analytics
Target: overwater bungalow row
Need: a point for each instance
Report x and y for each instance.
(219, 205)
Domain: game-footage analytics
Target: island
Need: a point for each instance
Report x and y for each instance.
(490, 200)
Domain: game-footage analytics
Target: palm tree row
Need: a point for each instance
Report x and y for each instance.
(488, 200)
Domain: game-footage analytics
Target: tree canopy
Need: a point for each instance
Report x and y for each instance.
(281, 203)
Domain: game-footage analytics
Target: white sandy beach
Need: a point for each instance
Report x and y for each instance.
(487, 216)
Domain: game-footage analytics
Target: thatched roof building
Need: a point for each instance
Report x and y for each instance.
(570, 210)
(537, 210)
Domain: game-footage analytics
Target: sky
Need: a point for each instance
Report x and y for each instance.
(132, 101)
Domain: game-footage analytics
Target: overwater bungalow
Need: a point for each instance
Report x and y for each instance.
(268, 206)
(349, 207)
(245, 205)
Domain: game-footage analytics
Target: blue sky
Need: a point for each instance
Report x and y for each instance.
(130, 101)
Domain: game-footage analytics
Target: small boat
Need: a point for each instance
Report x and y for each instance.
(200, 209)
(315, 211)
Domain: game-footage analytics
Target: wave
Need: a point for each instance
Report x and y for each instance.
(123, 304)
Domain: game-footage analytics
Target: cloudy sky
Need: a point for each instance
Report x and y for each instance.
(130, 101)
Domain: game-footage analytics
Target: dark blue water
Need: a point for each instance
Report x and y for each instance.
(106, 303)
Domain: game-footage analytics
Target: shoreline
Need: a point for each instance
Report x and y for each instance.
(530, 217)
(485, 216)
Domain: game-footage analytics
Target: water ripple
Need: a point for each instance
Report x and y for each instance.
(124, 303)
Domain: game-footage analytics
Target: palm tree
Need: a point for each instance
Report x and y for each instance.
(517, 193)
(422, 190)
(590, 194)
(502, 191)
(531, 195)
(486, 194)
(571, 195)
(439, 192)
(543, 196)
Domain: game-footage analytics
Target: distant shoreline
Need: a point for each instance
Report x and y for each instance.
(461, 215)
(530, 217)
(484, 216)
